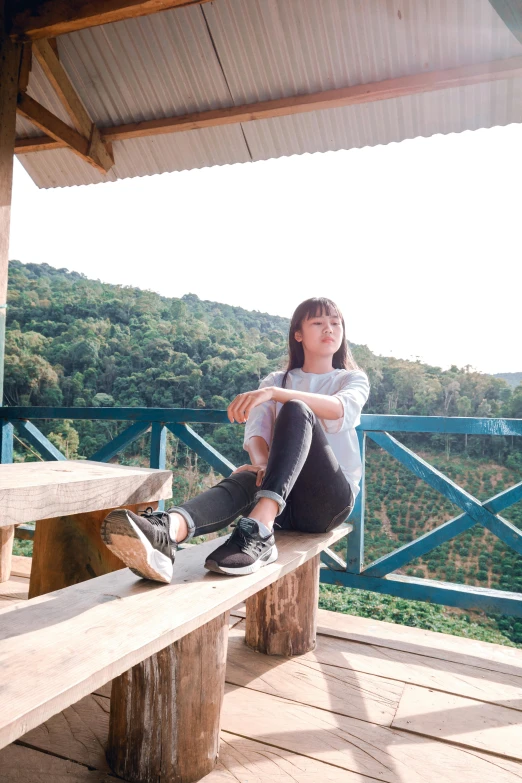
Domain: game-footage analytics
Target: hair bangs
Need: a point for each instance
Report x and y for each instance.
(319, 307)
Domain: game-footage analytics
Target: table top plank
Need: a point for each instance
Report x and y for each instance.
(42, 490)
(59, 647)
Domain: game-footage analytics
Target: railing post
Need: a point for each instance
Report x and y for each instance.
(158, 450)
(6, 442)
(6, 532)
(355, 551)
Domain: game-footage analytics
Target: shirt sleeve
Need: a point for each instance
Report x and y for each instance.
(353, 393)
(262, 419)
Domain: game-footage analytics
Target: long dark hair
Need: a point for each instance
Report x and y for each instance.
(314, 308)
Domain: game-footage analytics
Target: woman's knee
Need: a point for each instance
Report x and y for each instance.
(297, 408)
(245, 479)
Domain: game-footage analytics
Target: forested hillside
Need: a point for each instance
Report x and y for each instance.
(75, 341)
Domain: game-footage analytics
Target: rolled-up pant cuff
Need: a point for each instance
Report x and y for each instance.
(188, 519)
(266, 493)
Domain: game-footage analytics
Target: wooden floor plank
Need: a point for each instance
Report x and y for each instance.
(245, 761)
(468, 681)
(79, 733)
(474, 724)
(15, 589)
(21, 566)
(19, 764)
(383, 753)
(468, 652)
(331, 688)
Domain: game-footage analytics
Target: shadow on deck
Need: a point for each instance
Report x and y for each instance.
(374, 701)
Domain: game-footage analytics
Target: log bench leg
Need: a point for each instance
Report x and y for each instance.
(6, 552)
(68, 550)
(282, 618)
(165, 712)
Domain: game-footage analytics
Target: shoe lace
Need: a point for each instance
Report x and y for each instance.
(161, 523)
(242, 536)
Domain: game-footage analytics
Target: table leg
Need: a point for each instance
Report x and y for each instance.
(165, 712)
(282, 618)
(68, 550)
(6, 552)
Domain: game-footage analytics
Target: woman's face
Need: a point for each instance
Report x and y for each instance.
(322, 335)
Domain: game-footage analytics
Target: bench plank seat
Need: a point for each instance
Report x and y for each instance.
(61, 646)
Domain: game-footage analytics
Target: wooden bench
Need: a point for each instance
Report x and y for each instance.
(164, 647)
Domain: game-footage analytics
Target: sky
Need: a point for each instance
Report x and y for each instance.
(419, 243)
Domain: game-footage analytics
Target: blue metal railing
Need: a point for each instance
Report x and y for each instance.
(377, 576)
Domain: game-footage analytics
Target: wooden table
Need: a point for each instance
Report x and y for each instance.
(70, 499)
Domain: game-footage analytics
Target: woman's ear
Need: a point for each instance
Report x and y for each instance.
(298, 337)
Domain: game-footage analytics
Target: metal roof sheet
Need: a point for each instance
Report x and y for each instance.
(231, 52)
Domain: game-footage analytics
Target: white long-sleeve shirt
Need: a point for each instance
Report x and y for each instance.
(350, 386)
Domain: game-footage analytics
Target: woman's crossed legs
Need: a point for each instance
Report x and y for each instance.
(303, 480)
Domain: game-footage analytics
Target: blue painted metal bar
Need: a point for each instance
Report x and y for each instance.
(201, 447)
(158, 446)
(464, 596)
(37, 439)
(447, 425)
(158, 451)
(439, 535)
(332, 560)
(355, 544)
(165, 415)
(120, 441)
(24, 532)
(506, 531)
(369, 422)
(421, 546)
(6, 442)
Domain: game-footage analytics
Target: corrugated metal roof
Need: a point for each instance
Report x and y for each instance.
(231, 52)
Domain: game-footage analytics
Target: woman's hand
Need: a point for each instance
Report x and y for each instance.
(240, 407)
(258, 469)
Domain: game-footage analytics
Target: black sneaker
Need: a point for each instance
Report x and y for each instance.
(142, 541)
(245, 552)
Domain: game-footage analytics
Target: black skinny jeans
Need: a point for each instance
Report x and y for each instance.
(303, 476)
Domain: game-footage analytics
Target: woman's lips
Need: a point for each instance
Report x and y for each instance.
(328, 340)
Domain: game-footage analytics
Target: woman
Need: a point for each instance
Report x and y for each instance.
(305, 462)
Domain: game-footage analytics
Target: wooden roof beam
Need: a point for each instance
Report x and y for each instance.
(47, 56)
(57, 130)
(33, 20)
(345, 96)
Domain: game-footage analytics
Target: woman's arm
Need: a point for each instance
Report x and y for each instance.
(257, 448)
(323, 405)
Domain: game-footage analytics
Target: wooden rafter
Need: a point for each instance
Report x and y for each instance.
(46, 55)
(33, 20)
(345, 96)
(56, 129)
(25, 67)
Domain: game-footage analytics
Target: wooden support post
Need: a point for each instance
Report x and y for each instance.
(68, 550)
(6, 552)
(165, 712)
(10, 56)
(282, 618)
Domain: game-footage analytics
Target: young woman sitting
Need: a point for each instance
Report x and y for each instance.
(305, 462)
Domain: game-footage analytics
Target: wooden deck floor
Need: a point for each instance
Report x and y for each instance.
(374, 702)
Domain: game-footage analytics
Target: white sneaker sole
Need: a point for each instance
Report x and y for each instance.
(123, 537)
(211, 565)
